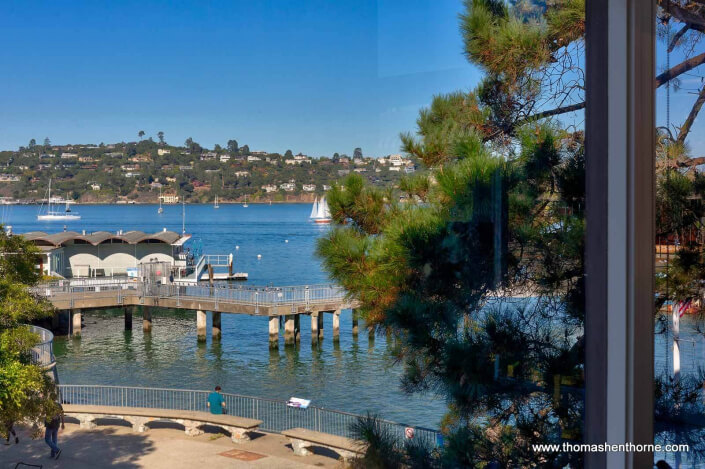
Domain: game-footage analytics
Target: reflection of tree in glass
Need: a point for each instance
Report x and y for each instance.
(477, 265)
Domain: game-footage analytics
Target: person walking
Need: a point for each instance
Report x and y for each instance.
(10, 429)
(51, 435)
(216, 402)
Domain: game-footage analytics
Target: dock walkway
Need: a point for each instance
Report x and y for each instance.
(287, 303)
(242, 299)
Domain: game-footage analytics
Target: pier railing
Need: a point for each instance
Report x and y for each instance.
(43, 352)
(276, 416)
(240, 294)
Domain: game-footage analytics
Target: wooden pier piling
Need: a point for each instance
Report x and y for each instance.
(146, 319)
(217, 330)
(274, 331)
(336, 325)
(76, 322)
(201, 325)
(128, 317)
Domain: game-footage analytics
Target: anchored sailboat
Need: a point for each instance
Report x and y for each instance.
(245, 204)
(53, 214)
(215, 204)
(160, 210)
(320, 213)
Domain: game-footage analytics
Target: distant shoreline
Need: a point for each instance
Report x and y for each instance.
(83, 204)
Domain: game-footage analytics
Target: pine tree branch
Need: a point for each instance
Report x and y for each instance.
(550, 112)
(691, 116)
(692, 162)
(679, 69)
(678, 36)
(683, 14)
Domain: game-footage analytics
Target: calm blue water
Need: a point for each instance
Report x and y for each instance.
(354, 376)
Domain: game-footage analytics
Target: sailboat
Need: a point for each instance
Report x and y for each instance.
(160, 210)
(53, 214)
(245, 204)
(320, 213)
(215, 204)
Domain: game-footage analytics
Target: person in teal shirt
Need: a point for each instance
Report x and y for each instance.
(216, 402)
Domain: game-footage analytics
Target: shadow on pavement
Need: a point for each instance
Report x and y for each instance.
(102, 447)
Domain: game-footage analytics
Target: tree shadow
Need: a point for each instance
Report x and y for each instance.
(101, 447)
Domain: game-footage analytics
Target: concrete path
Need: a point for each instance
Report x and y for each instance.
(117, 446)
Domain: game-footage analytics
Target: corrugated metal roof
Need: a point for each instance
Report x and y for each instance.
(129, 237)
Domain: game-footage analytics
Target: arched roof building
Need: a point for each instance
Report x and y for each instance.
(107, 254)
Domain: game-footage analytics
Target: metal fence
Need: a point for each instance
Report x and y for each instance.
(43, 352)
(240, 294)
(276, 416)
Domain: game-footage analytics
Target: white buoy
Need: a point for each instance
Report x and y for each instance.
(259, 256)
(286, 240)
(237, 247)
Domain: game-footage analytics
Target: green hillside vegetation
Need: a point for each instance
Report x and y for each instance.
(137, 171)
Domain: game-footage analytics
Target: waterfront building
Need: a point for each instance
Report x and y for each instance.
(71, 254)
(169, 198)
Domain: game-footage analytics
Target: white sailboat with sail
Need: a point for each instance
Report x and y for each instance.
(245, 204)
(215, 204)
(52, 214)
(320, 213)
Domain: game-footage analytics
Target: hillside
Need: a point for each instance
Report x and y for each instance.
(138, 171)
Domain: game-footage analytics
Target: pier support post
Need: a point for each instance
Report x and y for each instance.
(289, 329)
(297, 328)
(201, 325)
(314, 328)
(274, 331)
(76, 322)
(128, 318)
(146, 319)
(355, 328)
(216, 332)
(336, 325)
(319, 320)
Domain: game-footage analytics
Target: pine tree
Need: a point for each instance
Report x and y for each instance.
(497, 218)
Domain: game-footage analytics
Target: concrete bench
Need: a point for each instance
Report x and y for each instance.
(238, 427)
(301, 439)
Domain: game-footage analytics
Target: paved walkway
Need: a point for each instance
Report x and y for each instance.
(117, 446)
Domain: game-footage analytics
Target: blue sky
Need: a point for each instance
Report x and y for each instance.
(311, 76)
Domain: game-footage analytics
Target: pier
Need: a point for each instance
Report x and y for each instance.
(283, 305)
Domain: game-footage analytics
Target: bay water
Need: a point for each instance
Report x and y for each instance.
(354, 376)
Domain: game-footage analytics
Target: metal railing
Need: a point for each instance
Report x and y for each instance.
(276, 416)
(43, 352)
(218, 260)
(223, 293)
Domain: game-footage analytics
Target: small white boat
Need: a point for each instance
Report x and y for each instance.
(320, 213)
(215, 204)
(52, 214)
